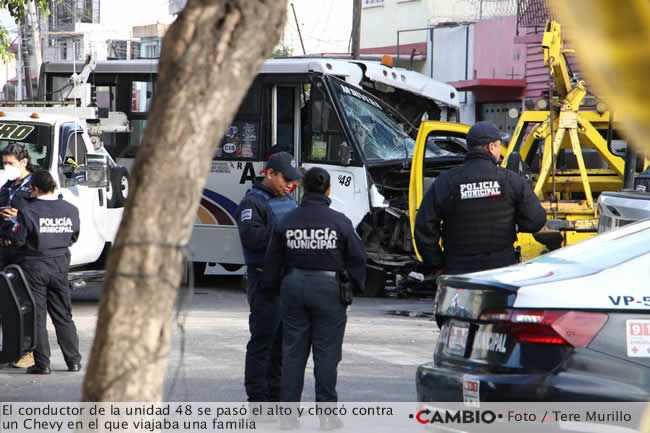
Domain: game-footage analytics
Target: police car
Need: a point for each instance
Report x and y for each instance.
(572, 325)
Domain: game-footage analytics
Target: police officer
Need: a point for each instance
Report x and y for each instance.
(476, 208)
(312, 244)
(16, 191)
(13, 195)
(263, 207)
(46, 226)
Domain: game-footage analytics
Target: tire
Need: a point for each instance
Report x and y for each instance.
(118, 190)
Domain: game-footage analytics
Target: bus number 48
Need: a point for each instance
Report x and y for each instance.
(345, 180)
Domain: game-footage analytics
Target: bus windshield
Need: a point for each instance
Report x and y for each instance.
(379, 136)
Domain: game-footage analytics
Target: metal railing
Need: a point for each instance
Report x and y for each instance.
(532, 13)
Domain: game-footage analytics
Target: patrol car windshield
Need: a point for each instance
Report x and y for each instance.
(36, 138)
(379, 136)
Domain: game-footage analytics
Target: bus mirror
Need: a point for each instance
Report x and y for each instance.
(319, 116)
(345, 154)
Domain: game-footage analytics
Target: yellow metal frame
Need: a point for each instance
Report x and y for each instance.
(416, 186)
(568, 128)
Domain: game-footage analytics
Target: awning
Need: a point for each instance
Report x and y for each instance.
(492, 89)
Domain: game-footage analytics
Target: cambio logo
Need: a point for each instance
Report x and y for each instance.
(427, 416)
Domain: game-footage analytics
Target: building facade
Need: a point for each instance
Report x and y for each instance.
(475, 45)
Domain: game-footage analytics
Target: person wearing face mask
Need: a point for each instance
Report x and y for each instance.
(45, 228)
(263, 207)
(18, 169)
(13, 196)
(477, 209)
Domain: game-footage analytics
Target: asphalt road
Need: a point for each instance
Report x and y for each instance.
(380, 353)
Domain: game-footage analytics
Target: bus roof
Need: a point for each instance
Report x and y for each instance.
(353, 71)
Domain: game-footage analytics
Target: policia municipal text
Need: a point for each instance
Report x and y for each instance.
(477, 208)
(309, 248)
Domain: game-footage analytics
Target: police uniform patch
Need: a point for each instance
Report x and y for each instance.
(311, 239)
(488, 188)
(246, 214)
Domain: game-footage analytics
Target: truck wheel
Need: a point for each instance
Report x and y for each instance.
(118, 190)
(375, 283)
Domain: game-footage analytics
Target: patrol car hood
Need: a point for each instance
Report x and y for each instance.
(609, 271)
(546, 286)
(541, 271)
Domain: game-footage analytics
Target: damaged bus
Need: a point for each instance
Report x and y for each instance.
(353, 118)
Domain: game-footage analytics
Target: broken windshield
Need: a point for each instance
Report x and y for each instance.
(378, 134)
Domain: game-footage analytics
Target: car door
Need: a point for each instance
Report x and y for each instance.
(73, 148)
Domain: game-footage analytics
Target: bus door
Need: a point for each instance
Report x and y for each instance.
(325, 144)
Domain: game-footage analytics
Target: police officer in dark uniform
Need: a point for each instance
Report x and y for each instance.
(476, 208)
(13, 195)
(46, 226)
(264, 207)
(15, 192)
(311, 246)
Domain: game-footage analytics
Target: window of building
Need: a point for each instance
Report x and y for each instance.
(135, 50)
(372, 3)
(117, 50)
(152, 50)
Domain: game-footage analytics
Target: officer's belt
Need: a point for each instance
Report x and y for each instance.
(312, 271)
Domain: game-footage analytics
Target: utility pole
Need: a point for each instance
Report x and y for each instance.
(295, 17)
(19, 65)
(24, 47)
(36, 38)
(356, 29)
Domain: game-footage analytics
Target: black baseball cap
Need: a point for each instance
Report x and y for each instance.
(484, 133)
(284, 163)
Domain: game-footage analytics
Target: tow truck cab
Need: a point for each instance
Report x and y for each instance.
(61, 145)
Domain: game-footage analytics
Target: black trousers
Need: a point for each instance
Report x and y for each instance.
(48, 280)
(313, 319)
(264, 349)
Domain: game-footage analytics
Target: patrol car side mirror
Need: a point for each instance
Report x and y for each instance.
(97, 171)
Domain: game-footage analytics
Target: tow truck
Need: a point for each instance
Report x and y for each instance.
(569, 155)
(67, 140)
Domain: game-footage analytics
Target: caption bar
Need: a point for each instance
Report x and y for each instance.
(354, 417)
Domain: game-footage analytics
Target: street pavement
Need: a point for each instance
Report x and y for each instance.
(385, 340)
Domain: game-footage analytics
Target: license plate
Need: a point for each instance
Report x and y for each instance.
(457, 339)
(471, 390)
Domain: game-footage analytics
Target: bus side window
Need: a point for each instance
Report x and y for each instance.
(323, 139)
(286, 104)
(242, 138)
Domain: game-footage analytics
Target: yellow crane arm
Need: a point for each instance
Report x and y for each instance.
(553, 58)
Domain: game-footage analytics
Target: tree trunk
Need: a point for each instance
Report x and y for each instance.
(210, 56)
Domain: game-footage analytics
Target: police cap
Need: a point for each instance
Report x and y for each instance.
(284, 163)
(484, 133)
